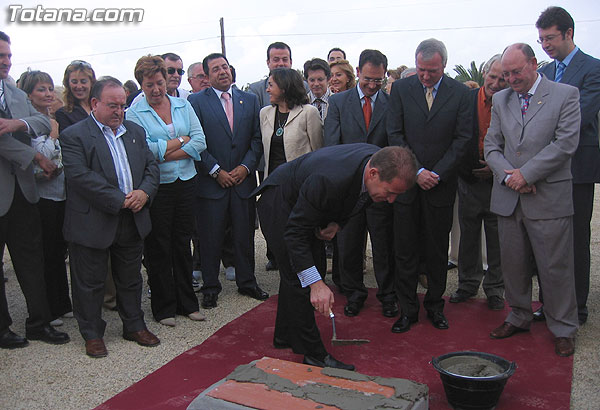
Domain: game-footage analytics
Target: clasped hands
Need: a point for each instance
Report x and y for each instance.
(518, 183)
(135, 200)
(231, 178)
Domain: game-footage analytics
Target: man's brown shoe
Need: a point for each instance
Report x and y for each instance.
(506, 330)
(564, 346)
(142, 337)
(95, 348)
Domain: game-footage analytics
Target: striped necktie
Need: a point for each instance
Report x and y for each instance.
(559, 71)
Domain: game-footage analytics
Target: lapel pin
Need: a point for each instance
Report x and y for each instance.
(134, 140)
(241, 102)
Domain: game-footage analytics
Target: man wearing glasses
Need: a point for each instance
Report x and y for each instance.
(572, 66)
(197, 77)
(359, 115)
(432, 115)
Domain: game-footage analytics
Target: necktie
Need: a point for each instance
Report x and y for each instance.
(429, 97)
(367, 111)
(525, 102)
(228, 108)
(559, 72)
(2, 100)
(319, 102)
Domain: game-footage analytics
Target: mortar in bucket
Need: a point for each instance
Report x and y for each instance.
(473, 380)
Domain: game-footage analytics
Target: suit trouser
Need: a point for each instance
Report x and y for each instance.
(213, 216)
(421, 227)
(20, 231)
(377, 218)
(295, 322)
(551, 242)
(89, 269)
(52, 215)
(473, 208)
(167, 250)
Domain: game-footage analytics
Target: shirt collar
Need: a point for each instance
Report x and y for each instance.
(361, 94)
(568, 58)
(436, 85)
(105, 128)
(535, 85)
(324, 97)
(219, 92)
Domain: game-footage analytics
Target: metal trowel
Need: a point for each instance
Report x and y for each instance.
(343, 342)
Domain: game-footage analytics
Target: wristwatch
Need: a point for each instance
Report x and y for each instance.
(216, 173)
(181, 140)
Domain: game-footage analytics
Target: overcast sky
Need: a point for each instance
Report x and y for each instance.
(471, 30)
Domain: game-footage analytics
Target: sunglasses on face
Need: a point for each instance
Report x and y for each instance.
(172, 70)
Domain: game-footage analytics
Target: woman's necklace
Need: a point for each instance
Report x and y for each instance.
(279, 131)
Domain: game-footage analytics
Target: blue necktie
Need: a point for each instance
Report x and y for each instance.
(559, 72)
(525, 103)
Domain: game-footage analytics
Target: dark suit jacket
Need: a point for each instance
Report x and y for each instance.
(243, 146)
(345, 122)
(583, 72)
(16, 153)
(471, 158)
(438, 137)
(320, 187)
(94, 199)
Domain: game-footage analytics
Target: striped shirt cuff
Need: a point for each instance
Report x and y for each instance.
(309, 276)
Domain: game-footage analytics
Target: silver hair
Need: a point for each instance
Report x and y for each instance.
(408, 72)
(428, 48)
(191, 68)
(490, 63)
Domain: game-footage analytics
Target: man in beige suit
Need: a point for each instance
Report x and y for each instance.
(533, 134)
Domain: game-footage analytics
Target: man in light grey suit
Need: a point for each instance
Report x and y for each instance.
(20, 225)
(572, 66)
(533, 134)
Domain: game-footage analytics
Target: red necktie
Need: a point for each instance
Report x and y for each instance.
(367, 111)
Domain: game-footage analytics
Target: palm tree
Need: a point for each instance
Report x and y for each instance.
(473, 73)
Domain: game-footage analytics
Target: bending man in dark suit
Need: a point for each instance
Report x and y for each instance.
(431, 114)
(309, 200)
(111, 176)
(225, 179)
(533, 134)
(20, 226)
(572, 66)
(359, 115)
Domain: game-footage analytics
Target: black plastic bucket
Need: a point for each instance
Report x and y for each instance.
(473, 380)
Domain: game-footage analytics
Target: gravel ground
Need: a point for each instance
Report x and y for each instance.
(63, 377)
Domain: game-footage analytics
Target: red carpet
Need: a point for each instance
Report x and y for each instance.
(542, 379)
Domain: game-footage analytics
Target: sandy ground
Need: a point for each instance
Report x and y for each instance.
(42, 376)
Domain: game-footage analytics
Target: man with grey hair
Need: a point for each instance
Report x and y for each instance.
(197, 77)
(431, 114)
(533, 134)
(474, 192)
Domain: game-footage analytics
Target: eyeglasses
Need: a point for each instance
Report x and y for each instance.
(377, 81)
(81, 62)
(514, 73)
(171, 70)
(198, 76)
(547, 39)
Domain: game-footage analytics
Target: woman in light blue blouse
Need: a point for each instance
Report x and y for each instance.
(176, 139)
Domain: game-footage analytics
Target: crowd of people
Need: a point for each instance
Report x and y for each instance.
(118, 177)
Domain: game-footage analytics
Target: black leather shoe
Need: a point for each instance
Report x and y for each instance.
(495, 303)
(11, 340)
(280, 343)
(255, 293)
(328, 361)
(48, 334)
(438, 320)
(209, 300)
(352, 309)
(403, 324)
(460, 296)
(539, 315)
(389, 309)
(271, 265)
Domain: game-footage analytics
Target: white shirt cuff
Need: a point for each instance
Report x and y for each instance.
(214, 169)
(309, 276)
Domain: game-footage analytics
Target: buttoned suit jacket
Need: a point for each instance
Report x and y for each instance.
(224, 147)
(583, 72)
(94, 199)
(16, 153)
(303, 131)
(438, 137)
(320, 187)
(540, 144)
(345, 123)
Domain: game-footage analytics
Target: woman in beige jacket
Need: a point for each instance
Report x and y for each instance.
(290, 126)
